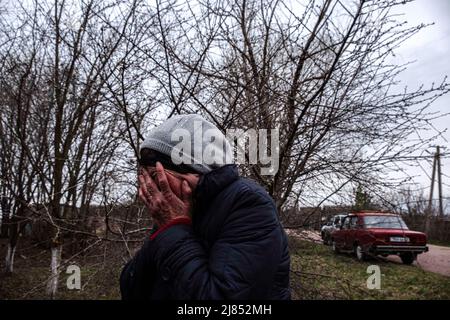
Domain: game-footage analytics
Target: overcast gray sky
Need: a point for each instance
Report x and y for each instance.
(431, 50)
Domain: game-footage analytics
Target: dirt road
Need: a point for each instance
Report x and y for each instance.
(437, 260)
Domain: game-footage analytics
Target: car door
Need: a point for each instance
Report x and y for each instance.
(341, 234)
(350, 235)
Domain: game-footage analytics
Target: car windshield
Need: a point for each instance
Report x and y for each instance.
(384, 222)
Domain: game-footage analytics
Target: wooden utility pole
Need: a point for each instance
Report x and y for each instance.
(436, 164)
(430, 200)
(438, 157)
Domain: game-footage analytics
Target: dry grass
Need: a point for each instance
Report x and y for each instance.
(317, 273)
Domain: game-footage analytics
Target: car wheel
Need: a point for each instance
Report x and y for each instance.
(359, 253)
(334, 246)
(408, 257)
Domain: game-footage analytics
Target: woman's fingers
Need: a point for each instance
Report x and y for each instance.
(149, 193)
(186, 192)
(143, 191)
(149, 184)
(144, 199)
(162, 181)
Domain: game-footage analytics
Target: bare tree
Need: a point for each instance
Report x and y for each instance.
(66, 135)
(321, 73)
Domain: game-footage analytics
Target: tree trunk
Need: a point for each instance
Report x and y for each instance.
(13, 227)
(52, 284)
(6, 211)
(9, 260)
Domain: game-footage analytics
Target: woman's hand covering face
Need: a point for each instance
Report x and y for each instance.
(165, 193)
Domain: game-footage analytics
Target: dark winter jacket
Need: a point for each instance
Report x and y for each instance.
(235, 248)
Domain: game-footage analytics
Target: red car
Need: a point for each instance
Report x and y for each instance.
(373, 233)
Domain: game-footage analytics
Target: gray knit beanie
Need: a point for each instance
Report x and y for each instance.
(191, 140)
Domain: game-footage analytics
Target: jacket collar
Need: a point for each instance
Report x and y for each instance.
(212, 183)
